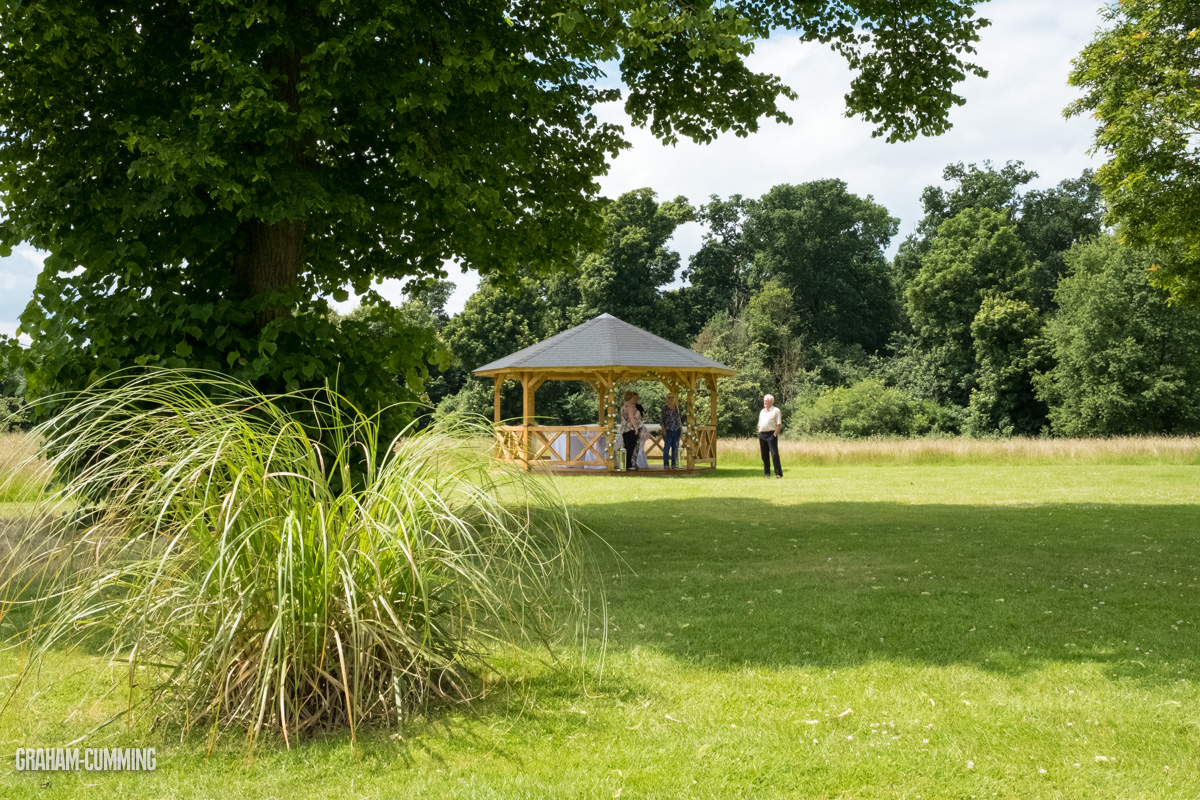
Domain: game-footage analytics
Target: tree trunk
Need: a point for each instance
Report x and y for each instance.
(270, 262)
(272, 254)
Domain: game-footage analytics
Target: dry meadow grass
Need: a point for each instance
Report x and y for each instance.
(1118, 450)
(22, 474)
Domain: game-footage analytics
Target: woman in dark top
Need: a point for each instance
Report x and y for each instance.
(643, 432)
(631, 421)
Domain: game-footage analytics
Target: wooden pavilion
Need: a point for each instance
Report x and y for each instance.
(604, 352)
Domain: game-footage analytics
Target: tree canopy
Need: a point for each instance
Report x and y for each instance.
(718, 271)
(204, 173)
(819, 241)
(974, 186)
(826, 245)
(624, 276)
(1126, 362)
(1140, 80)
(976, 254)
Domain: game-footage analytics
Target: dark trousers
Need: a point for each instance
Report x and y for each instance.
(768, 445)
(631, 443)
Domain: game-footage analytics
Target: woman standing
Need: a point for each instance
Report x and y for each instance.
(631, 422)
(643, 432)
(671, 428)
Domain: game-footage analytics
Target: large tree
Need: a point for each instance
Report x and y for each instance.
(1049, 221)
(203, 173)
(625, 275)
(495, 321)
(1140, 77)
(1125, 361)
(819, 241)
(717, 273)
(972, 186)
(975, 255)
(826, 244)
(1006, 334)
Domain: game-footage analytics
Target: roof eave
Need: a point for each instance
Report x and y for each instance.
(721, 372)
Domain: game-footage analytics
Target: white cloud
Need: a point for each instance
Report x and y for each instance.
(391, 289)
(18, 276)
(1014, 114)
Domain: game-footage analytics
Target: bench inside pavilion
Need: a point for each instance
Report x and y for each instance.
(604, 353)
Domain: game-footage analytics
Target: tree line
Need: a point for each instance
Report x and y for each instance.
(1008, 311)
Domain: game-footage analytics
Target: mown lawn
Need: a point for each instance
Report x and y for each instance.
(861, 631)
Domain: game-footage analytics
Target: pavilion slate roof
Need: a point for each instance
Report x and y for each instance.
(604, 341)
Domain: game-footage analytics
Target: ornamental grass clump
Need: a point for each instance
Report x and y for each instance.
(281, 571)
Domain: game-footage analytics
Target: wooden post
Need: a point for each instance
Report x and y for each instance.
(693, 434)
(712, 413)
(611, 412)
(498, 385)
(527, 417)
(712, 400)
(602, 410)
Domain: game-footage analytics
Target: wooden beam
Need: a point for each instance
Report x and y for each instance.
(622, 372)
(497, 386)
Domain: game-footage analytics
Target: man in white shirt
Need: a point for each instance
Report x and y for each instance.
(770, 422)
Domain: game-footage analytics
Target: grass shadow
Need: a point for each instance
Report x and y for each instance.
(735, 581)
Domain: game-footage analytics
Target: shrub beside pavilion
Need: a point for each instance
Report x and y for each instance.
(603, 352)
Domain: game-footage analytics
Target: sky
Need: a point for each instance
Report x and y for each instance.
(1013, 114)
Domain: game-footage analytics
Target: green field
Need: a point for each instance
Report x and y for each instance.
(855, 631)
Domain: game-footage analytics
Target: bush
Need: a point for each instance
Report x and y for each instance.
(476, 398)
(870, 408)
(14, 414)
(934, 419)
(581, 407)
(268, 581)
